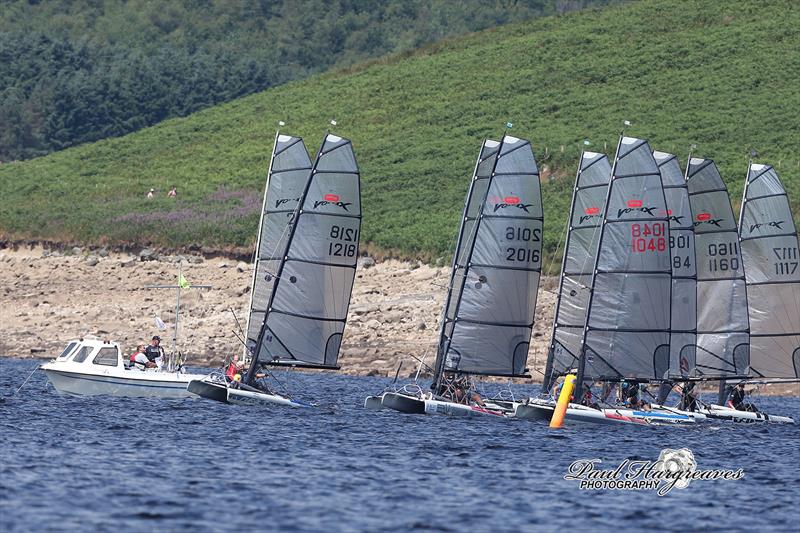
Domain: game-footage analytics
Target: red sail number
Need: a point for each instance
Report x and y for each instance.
(649, 237)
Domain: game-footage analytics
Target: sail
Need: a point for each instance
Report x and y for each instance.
(583, 234)
(771, 257)
(684, 272)
(308, 309)
(489, 311)
(722, 324)
(289, 170)
(628, 322)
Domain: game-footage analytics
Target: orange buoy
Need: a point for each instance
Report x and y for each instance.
(563, 401)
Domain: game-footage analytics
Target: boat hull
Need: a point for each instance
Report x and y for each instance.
(158, 385)
(403, 403)
(544, 412)
(438, 407)
(374, 403)
(719, 412)
(220, 392)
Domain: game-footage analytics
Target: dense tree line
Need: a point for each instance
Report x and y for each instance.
(78, 71)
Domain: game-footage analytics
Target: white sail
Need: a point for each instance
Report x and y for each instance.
(683, 324)
(489, 312)
(577, 268)
(771, 256)
(628, 322)
(290, 168)
(722, 324)
(308, 306)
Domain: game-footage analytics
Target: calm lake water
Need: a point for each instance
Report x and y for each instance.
(103, 463)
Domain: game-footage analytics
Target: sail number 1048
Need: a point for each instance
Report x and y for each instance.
(345, 242)
(649, 237)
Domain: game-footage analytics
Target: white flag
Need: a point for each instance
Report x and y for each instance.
(160, 323)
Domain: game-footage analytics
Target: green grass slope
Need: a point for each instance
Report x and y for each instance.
(722, 75)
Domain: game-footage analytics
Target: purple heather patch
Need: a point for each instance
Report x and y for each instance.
(221, 206)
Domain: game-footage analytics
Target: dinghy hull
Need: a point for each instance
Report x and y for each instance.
(403, 403)
(544, 411)
(719, 412)
(211, 391)
(437, 407)
(374, 403)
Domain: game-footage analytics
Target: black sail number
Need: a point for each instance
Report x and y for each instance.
(787, 260)
(344, 241)
(519, 237)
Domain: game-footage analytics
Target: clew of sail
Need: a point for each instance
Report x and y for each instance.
(628, 320)
(583, 234)
(308, 307)
(683, 336)
(489, 311)
(771, 257)
(290, 167)
(722, 323)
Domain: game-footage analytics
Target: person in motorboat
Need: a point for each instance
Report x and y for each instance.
(154, 352)
(737, 400)
(138, 359)
(688, 398)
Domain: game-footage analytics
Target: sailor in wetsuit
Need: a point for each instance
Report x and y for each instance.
(154, 351)
(688, 398)
(737, 400)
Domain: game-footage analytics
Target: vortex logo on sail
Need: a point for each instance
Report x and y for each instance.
(636, 205)
(280, 201)
(705, 218)
(591, 212)
(510, 201)
(331, 199)
(777, 225)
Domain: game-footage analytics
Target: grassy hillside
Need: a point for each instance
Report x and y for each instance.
(722, 75)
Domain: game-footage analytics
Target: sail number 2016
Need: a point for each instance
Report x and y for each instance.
(649, 237)
(523, 253)
(347, 241)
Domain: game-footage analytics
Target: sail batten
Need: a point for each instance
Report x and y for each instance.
(722, 346)
(307, 310)
(626, 334)
(771, 257)
(489, 310)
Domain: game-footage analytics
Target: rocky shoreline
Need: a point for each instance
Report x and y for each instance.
(50, 296)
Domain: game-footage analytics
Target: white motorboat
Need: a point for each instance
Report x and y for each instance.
(90, 366)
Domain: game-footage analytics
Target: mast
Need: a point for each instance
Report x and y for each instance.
(591, 184)
(257, 251)
(627, 323)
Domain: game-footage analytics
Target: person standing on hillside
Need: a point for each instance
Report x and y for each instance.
(173, 192)
(151, 193)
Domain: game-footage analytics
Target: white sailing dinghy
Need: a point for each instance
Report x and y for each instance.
(308, 249)
(771, 260)
(618, 312)
(488, 315)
